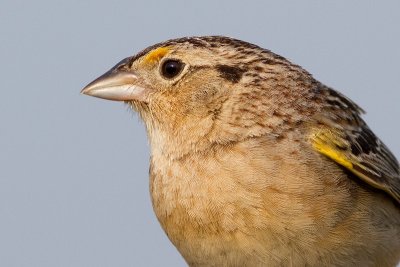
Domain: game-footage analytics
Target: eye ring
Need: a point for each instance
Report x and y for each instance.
(171, 68)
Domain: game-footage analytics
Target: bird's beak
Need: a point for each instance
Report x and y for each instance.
(117, 84)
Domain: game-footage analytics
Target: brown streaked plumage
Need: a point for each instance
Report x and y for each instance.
(256, 163)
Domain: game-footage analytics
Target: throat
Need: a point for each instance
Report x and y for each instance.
(175, 143)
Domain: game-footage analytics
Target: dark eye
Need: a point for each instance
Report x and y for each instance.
(171, 68)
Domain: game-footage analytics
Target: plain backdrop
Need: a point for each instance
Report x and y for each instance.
(74, 169)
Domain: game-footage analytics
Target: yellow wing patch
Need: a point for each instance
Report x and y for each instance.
(373, 170)
(156, 55)
(332, 145)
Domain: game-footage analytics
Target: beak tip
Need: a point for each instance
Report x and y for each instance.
(90, 89)
(84, 91)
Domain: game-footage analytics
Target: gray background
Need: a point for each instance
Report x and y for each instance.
(73, 169)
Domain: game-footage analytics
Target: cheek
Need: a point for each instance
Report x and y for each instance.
(207, 91)
(204, 95)
(209, 101)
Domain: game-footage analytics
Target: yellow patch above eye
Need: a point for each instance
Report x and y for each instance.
(156, 55)
(326, 142)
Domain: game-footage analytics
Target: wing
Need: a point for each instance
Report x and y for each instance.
(344, 137)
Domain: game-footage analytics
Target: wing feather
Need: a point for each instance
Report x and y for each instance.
(343, 136)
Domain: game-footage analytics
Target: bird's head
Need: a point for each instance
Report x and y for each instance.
(199, 91)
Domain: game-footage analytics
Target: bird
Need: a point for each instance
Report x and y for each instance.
(254, 162)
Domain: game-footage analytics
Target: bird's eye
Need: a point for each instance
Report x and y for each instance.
(171, 68)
